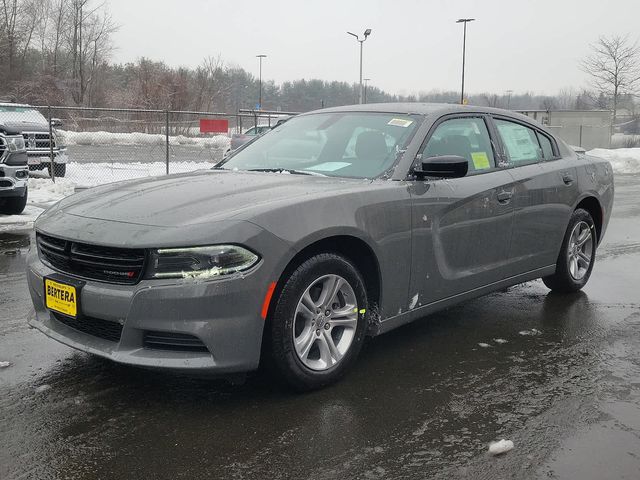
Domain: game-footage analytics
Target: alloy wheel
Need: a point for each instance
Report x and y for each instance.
(580, 250)
(325, 322)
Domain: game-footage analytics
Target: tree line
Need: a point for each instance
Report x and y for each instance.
(57, 52)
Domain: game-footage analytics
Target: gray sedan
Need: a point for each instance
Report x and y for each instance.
(338, 224)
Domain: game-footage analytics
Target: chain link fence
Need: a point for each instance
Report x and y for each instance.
(93, 146)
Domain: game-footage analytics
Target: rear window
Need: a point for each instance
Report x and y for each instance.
(520, 142)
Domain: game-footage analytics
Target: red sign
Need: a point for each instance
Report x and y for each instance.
(211, 125)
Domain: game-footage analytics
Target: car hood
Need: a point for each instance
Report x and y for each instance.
(26, 126)
(195, 198)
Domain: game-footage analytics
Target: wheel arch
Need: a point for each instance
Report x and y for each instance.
(352, 247)
(592, 205)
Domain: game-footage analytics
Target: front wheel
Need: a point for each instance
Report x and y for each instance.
(319, 322)
(577, 255)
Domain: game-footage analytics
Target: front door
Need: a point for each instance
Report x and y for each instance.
(461, 227)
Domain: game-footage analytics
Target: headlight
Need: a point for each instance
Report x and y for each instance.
(200, 262)
(15, 144)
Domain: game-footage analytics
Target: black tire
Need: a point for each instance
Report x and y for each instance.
(60, 169)
(284, 358)
(14, 205)
(563, 280)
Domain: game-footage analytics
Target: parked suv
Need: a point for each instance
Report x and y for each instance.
(34, 128)
(13, 171)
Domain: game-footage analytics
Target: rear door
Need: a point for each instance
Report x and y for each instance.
(545, 191)
(461, 227)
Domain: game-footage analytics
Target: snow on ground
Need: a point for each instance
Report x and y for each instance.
(220, 142)
(20, 223)
(623, 160)
(85, 175)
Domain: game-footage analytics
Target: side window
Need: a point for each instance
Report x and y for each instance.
(466, 137)
(547, 148)
(520, 143)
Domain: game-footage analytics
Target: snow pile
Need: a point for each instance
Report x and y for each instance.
(43, 192)
(5, 364)
(623, 160)
(68, 137)
(498, 448)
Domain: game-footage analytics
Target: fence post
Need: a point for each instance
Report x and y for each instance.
(580, 141)
(166, 133)
(53, 166)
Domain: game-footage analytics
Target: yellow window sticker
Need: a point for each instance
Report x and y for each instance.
(400, 122)
(480, 160)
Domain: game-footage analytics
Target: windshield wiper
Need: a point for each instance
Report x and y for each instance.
(287, 170)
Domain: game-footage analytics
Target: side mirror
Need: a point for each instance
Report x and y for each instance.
(56, 123)
(445, 166)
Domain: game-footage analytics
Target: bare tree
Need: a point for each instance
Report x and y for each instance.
(492, 100)
(614, 68)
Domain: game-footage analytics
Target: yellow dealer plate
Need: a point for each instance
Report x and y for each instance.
(61, 297)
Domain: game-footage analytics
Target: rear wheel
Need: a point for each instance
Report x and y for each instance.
(13, 205)
(319, 322)
(577, 255)
(60, 169)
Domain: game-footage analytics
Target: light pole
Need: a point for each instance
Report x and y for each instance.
(261, 56)
(367, 32)
(464, 46)
(509, 92)
(366, 83)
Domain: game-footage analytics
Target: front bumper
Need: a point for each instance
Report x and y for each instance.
(224, 314)
(13, 180)
(43, 157)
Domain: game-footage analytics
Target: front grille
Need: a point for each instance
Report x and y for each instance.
(94, 262)
(173, 341)
(38, 141)
(96, 327)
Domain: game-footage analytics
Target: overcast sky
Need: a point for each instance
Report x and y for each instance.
(520, 45)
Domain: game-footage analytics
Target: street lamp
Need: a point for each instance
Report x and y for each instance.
(366, 80)
(367, 32)
(464, 45)
(261, 56)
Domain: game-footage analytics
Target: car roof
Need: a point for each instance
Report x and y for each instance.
(409, 108)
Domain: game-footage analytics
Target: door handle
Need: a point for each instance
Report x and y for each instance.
(567, 178)
(504, 196)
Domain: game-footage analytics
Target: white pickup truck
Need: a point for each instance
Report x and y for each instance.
(14, 173)
(34, 128)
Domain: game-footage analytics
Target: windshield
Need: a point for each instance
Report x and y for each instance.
(349, 144)
(20, 114)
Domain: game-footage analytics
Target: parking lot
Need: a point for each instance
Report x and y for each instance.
(558, 375)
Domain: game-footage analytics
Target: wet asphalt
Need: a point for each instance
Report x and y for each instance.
(423, 401)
